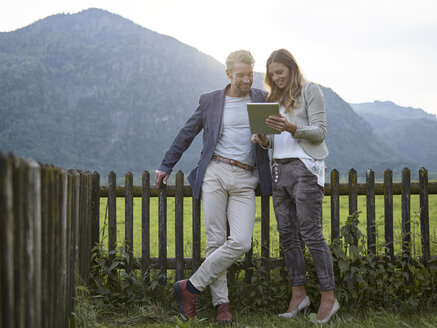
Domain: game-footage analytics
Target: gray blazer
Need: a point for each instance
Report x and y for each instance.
(310, 119)
(208, 116)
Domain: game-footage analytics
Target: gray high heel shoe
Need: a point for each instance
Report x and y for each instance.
(301, 306)
(334, 310)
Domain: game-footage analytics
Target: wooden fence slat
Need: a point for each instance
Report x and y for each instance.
(56, 224)
(145, 223)
(406, 214)
(70, 244)
(179, 226)
(196, 234)
(7, 254)
(353, 196)
(335, 205)
(85, 226)
(35, 214)
(129, 220)
(370, 211)
(424, 215)
(30, 218)
(45, 256)
(112, 212)
(19, 260)
(95, 209)
(63, 250)
(162, 232)
(265, 236)
(388, 214)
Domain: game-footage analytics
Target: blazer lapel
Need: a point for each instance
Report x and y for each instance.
(217, 114)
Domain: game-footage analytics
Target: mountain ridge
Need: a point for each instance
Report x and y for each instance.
(99, 92)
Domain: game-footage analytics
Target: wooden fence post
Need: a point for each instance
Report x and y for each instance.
(406, 217)
(112, 213)
(370, 210)
(179, 225)
(265, 236)
(353, 196)
(7, 255)
(388, 214)
(95, 209)
(34, 195)
(162, 231)
(424, 215)
(129, 220)
(335, 205)
(145, 223)
(196, 234)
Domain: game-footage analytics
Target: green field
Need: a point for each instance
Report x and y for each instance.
(274, 243)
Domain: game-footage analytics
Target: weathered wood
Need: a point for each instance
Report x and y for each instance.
(179, 226)
(343, 190)
(370, 211)
(388, 215)
(56, 222)
(145, 223)
(45, 256)
(70, 245)
(196, 233)
(265, 236)
(129, 220)
(112, 212)
(63, 249)
(353, 196)
(162, 232)
(335, 205)
(85, 226)
(7, 254)
(424, 215)
(95, 209)
(28, 246)
(406, 212)
(19, 261)
(34, 196)
(353, 191)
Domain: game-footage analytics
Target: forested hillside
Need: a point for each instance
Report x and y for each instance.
(95, 91)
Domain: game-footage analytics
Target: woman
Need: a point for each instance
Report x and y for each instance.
(298, 153)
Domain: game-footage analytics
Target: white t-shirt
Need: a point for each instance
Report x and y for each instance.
(286, 146)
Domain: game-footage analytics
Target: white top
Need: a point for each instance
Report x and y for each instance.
(234, 140)
(287, 147)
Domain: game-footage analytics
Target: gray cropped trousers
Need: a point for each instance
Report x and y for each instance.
(297, 201)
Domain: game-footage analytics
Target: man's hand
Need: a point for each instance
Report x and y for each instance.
(261, 139)
(160, 176)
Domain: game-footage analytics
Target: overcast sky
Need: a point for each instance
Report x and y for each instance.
(364, 50)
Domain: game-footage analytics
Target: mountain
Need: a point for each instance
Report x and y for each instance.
(410, 131)
(381, 113)
(95, 91)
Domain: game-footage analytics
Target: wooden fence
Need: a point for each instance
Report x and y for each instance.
(45, 241)
(50, 219)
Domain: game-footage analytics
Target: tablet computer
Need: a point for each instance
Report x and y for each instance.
(258, 112)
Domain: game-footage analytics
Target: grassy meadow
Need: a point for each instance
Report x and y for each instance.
(274, 240)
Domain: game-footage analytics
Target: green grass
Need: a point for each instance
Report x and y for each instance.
(274, 241)
(164, 317)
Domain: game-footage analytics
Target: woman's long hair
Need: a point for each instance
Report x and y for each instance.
(289, 96)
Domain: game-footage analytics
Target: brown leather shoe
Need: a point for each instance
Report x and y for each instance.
(224, 313)
(186, 300)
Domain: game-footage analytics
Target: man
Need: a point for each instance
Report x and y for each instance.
(226, 179)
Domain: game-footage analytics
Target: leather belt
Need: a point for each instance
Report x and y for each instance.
(285, 160)
(232, 162)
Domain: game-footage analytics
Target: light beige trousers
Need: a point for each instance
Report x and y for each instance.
(228, 192)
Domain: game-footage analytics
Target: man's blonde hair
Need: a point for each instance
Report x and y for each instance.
(239, 56)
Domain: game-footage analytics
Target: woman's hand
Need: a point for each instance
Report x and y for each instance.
(261, 139)
(280, 123)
